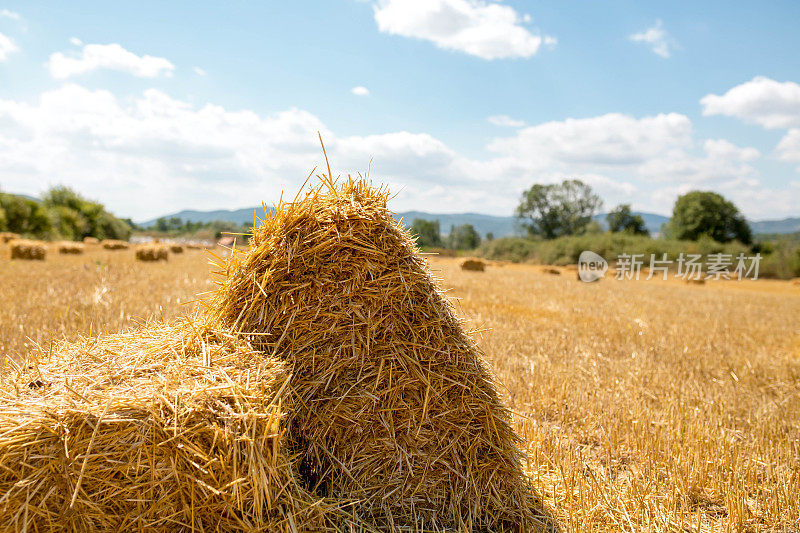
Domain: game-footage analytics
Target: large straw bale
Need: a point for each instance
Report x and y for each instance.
(70, 247)
(152, 252)
(176, 248)
(168, 428)
(29, 250)
(113, 244)
(6, 236)
(393, 407)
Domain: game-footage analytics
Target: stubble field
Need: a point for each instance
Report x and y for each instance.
(644, 405)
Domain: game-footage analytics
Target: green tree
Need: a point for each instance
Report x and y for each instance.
(68, 223)
(92, 219)
(25, 216)
(426, 232)
(620, 219)
(3, 220)
(554, 210)
(463, 237)
(699, 213)
(490, 236)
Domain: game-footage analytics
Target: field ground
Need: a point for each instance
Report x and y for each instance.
(644, 405)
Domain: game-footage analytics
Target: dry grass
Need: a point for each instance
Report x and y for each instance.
(644, 406)
(91, 240)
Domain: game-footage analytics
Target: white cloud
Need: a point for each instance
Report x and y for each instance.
(154, 154)
(657, 37)
(505, 121)
(108, 56)
(762, 101)
(199, 71)
(360, 91)
(613, 139)
(7, 47)
(75, 41)
(485, 30)
(789, 147)
(13, 15)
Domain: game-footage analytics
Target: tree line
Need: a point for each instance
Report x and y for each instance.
(61, 214)
(550, 211)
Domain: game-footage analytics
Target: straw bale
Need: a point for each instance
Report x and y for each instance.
(152, 252)
(70, 247)
(696, 281)
(392, 405)
(6, 236)
(29, 250)
(474, 265)
(169, 428)
(91, 240)
(113, 244)
(551, 270)
(176, 248)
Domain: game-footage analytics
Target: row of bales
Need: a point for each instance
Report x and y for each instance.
(34, 250)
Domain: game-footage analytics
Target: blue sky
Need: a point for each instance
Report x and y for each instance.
(154, 107)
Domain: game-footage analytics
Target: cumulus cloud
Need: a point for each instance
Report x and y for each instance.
(7, 47)
(107, 56)
(13, 15)
(657, 38)
(613, 139)
(360, 91)
(485, 30)
(153, 154)
(762, 101)
(505, 121)
(199, 71)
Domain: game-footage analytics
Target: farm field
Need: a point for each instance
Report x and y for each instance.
(644, 406)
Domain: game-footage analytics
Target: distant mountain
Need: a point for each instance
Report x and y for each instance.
(499, 226)
(787, 225)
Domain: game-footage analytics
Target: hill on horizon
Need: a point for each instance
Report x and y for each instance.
(499, 226)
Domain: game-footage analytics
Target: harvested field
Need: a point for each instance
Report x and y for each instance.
(634, 416)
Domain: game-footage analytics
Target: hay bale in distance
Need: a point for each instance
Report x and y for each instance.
(393, 407)
(70, 248)
(28, 250)
(473, 265)
(91, 240)
(152, 252)
(551, 270)
(113, 244)
(172, 427)
(696, 281)
(176, 248)
(6, 236)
